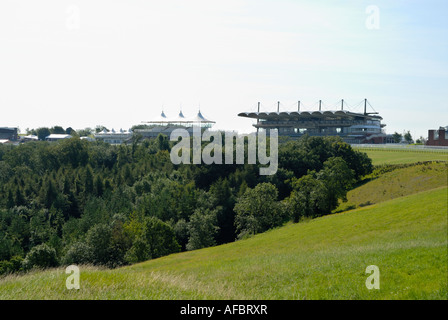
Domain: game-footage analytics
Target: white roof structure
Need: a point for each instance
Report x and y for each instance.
(181, 119)
(31, 137)
(200, 118)
(56, 136)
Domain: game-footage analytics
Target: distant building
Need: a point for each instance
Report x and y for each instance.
(30, 137)
(7, 133)
(438, 137)
(114, 137)
(57, 137)
(350, 126)
(165, 125)
(5, 141)
(87, 139)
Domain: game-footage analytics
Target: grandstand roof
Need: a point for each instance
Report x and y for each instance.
(163, 119)
(303, 115)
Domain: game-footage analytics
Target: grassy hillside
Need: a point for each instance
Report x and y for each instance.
(394, 156)
(324, 258)
(397, 183)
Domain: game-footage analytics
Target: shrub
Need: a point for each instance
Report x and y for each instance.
(78, 253)
(41, 256)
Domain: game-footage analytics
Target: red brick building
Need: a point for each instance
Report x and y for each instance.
(438, 137)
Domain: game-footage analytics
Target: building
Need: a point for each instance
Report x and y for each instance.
(57, 137)
(7, 133)
(165, 125)
(438, 137)
(114, 137)
(29, 137)
(350, 126)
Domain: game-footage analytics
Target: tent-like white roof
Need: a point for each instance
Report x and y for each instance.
(200, 118)
(180, 119)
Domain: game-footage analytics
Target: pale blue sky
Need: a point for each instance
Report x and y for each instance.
(117, 63)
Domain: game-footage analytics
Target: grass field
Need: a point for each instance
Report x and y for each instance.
(394, 156)
(397, 183)
(324, 258)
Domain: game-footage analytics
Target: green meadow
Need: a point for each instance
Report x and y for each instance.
(401, 156)
(323, 258)
(396, 182)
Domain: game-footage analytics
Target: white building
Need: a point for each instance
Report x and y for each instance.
(114, 137)
(57, 137)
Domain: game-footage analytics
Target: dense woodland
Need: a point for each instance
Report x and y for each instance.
(80, 202)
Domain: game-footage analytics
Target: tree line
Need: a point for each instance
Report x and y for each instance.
(81, 202)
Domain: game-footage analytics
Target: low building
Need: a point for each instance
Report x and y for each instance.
(166, 125)
(57, 137)
(30, 137)
(114, 137)
(438, 137)
(5, 141)
(7, 133)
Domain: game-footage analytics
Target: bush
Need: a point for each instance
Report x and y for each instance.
(79, 253)
(41, 256)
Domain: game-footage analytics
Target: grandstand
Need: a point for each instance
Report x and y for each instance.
(165, 125)
(352, 127)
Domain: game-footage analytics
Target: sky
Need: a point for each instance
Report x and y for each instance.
(118, 63)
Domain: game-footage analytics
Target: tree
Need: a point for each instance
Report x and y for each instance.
(78, 253)
(307, 198)
(98, 238)
(70, 131)
(160, 238)
(258, 210)
(408, 137)
(57, 130)
(316, 194)
(397, 137)
(42, 133)
(338, 179)
(41, 256)
(202, 229)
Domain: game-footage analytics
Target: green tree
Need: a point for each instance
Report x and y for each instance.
(57, 130)
(338, 179)
(160, 238)
(98, 238)
(41, 256)
(202, 229)
(42, 133)
(307, 198)
(408, 137)
(397, 137)
(258, 210)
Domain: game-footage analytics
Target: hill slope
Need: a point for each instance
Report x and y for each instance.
(324, 258)
(397, 182)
